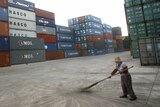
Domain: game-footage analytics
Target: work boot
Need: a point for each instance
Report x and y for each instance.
(123, 96)
(132, 99)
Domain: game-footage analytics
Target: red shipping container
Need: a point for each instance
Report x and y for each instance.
(54, 55)
(108, 36)
(4, 29)
(47, 38)
(44, 14)
(4, 59)
(95, 38)
(84, 52)
(78, 46)
(4, 3)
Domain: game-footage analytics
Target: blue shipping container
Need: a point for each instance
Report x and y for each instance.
(91, 52)
(22, 4)
(64, 29)
(90, 18)
(65, 38)
(71, 53)
(66, 45)
(94, 32)
(3, 14)
(76, 27)
(45, 22)
(82, 26)
(93, 25)
(83, 32)
(84, 46)
(4, 43)
(77, 39)
(77, 33)
(70, 22)
(100, 51)
(50, 47)
(108, 41)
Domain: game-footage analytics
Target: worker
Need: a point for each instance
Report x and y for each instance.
(126, 80)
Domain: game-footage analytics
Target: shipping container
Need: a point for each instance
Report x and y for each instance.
(4, 59)
(22, 24)
(107, 36)
(108, 41)
(116, 31)
(45, 14)
(64, 29)
(3, 14)
(94, 25)
(94, 32)
(25, 43)
(4, 3)
(54, 55)
(82, 26)
(110, 50)
(77, 33)
(46, 30)
(100, 51)
(118, 37)
(71, 53)
(91, 52)
(50, 47)
(66, 45)
(65, 37)
(22, 33)
(83, 45)
(45, 22)
(4, 29)
(78, 46)
(47, 38)
(70, 22)
(4, 43)
(84, 52)
(22, 4)
(83, 32)
(21, 14)
(81, 19)
(95, 45)
(91, 18)
(25, 57)
(95, 39)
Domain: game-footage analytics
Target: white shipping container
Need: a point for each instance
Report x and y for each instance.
(22, 33)
(22, 24)
(21, 14)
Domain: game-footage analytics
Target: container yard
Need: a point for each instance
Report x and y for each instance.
(91, 61)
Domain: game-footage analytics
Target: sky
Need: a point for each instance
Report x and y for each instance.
(110, 11)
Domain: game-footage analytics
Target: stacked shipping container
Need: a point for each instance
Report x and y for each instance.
(143, 19)
(4, 32)
(46, 29)
(108, 38)
(88, 34)
(65, 38)
(118, 41)
(24, 46)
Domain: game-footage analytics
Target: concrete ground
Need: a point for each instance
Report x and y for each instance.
(57, 83)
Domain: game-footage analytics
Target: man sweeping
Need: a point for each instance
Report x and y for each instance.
(126, 80)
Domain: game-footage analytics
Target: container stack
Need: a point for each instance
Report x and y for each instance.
(46, 29)
(143, 20)
(65, 38)
(149, 50)
(126, 43)
(4, 33)
(118, 40)
(108, 38)
(88, 34)
(24, 46)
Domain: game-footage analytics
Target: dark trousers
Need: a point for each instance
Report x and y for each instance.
(126, 83)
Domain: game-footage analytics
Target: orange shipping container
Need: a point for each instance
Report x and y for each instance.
(78, 46)
(4, 3)
(4, 59)
(108, 36)
(84, 53)
(4, 29)
(54, 55)
(95, 39)
(119, 37)
(44, 14)
(47, 38)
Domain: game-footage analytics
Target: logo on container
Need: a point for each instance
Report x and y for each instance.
(17, 13)
(28, 56)
(25, 43)
(22, 4)
(43, 21)
(18, 24)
